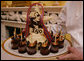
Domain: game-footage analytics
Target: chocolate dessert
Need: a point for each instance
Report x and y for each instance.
(22, 46)
(54, 47)
(44, 50)
(31, 48)
(15, 41)
(61, 42)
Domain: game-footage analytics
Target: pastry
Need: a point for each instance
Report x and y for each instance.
(22, 46)
(15, 41)
(61, 42)
(44, 50)
(54, 47)
(31, 48)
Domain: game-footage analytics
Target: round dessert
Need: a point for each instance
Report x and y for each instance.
(61, 42)
(44, 50)
(22, 46)
(15, 41)
(54, 47)
(14, 46)
(18, 38)
(31, 48)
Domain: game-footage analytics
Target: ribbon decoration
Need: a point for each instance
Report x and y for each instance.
(47, 34)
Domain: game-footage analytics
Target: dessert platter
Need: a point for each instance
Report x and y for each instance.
(37, 41)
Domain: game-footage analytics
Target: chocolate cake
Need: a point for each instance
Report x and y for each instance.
(15, 41)
(61, 42)
(31, 48)
(44, 50)
(14, 46)
(54, 47)
(22, 46)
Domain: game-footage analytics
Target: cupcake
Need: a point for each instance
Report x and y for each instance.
(15, 41)
(54, 47)
(61, 42)
(14, 46)
(31, 48)
(44, 50)
(22, 46)
(18, 38)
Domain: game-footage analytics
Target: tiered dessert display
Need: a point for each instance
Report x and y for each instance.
(36, 37)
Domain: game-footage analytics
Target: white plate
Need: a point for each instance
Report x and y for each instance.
(7, 47)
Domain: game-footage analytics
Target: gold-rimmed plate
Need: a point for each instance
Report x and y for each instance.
(6, 45)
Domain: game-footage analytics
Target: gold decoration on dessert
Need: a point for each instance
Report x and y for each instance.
(23, 42)
(14, 32)
(21, 33)
(61, 38)
(31, 44)
(44, 44)
(55, 43)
